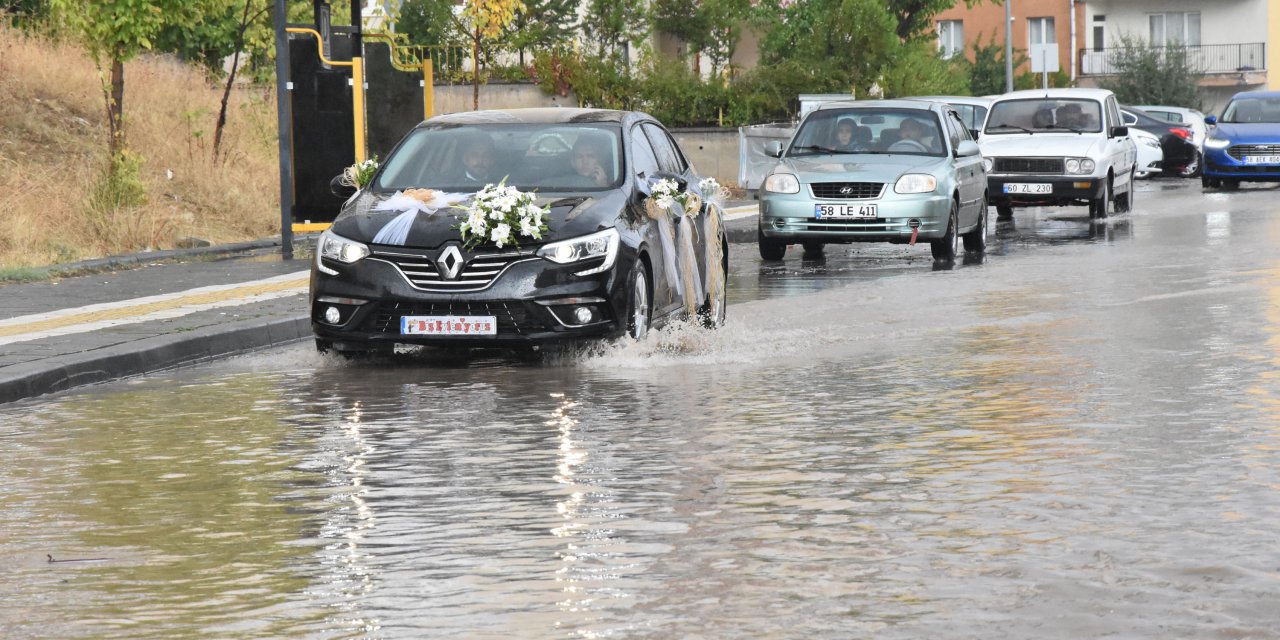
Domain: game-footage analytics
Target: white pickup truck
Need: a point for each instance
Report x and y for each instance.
(1058, 147)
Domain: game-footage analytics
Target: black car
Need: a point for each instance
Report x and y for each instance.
(1181, 157)
(598, 270)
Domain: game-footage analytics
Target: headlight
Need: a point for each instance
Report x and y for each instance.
(916, 183)
(782, 183)
(988, 163)
(1079, 166)
(602, 244)
(339, 249)
(1217, 143)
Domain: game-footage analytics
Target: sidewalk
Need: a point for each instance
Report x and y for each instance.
(145, 313)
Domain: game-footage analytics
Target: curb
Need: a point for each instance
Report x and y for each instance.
(150, 355)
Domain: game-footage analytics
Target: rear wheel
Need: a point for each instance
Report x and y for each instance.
(976, 241)
(639, 311)
(1100, 207)
(1004, 212)
(1193, 168)
(944, 248)
(813, 247)
(771, 249)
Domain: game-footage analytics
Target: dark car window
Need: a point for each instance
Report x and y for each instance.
(1044, 114)
(1252, 110)
(644, 161)
(869, 130)
(971, 115)
(664, 148)
(954, 127)
(529, 156)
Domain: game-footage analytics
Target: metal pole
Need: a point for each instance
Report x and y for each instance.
(357, 78)
(284, 126)
(1008, 46)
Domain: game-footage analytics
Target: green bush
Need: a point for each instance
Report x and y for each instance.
(1153, 75)
(670, 91)
(920, 71)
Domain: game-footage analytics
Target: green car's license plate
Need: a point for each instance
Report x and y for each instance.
(821, 211)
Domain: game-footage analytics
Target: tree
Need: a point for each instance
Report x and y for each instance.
(484, 21)
(114, 32)
(919, 70)
(915, 17)
(426, 22)
(986, 73)
(543, 24)
(709, 27)
(613, 24)
(1152, 75)
(852, 41)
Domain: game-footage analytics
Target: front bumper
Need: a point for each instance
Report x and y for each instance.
(790, 217)
(532, 302)
(1219, 164)
(1066, 190)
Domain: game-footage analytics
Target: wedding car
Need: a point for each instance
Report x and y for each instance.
(519, 227)
(896, 171)
(1244, 145)
(1058, 147)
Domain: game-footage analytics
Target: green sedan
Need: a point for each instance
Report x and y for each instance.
(898, 171)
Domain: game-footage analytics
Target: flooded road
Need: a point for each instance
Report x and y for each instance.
(1077, 437)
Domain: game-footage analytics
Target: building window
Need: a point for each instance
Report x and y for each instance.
(1042, 31)
(950, 37)
(1174, 27)
(1099, 38)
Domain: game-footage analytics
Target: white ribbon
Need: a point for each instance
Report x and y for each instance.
(397, 230)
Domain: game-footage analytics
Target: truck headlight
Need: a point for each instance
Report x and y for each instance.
(602, 244)
(782, 183)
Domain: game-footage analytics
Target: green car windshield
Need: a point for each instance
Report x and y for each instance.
(869, 130)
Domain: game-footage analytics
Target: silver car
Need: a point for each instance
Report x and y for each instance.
(897, 171)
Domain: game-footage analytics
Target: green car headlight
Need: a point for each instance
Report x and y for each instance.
(915, 183)
(782, 183)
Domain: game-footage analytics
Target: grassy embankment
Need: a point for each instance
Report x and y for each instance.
(53, 153)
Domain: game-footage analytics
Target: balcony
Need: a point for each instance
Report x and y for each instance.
(1220, 64)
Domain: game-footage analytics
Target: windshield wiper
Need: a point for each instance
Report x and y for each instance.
(1011, 126)
(1068, 128)
(815, 147)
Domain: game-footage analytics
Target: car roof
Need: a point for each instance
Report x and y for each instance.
(1161, 107)
(898, 103)
(974, 100)
(1256, 94)
(1027, 94)
(536, 115)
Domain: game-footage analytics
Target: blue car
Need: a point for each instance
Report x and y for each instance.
(1245, 144)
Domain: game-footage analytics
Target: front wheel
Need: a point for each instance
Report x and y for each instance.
(1209, 183)
(639, 311)
(712, 314)
(1100, 207)
(1126, 205)
(1004, 212)
(976, 241)
(944, 248)
(813, 247)
(771, 249)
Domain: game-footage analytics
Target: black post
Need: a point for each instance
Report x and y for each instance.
(284, 124)
(357, 26)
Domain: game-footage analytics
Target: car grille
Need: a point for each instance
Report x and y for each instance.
(478, 273)
(513, 317)
(1027, 165)
(847, 190)
(1241, 151)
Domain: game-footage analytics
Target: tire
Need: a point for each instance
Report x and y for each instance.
(1206, 182)
(944, 248)
(1194, 168)
(1004, 212)
(639, 307)
(813, 247)
(1128, 196)
(1229, 184)
(976, 241)
(1100, 207)
(771, 249)
(712, 314)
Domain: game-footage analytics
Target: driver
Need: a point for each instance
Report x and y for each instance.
(845, 129)
(913, 132)
(1071, 116)
(477, 159)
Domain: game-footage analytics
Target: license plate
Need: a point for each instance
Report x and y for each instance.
(1262, 159)
(449, 325)
(1028, 187)
(821, 211)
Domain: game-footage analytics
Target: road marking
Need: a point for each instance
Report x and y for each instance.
(738, 213)
(159, 307)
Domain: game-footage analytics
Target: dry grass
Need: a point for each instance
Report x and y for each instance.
(53, 151)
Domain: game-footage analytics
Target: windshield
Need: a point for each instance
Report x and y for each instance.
(868, 130)
(971, 115)
(544, 157)
(1252, 110)
(1044, 114)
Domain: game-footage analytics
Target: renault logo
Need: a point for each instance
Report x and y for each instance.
(846, 190)
(450, 262)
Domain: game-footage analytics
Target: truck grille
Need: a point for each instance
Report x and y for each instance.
(1027, 165)
(847, 190)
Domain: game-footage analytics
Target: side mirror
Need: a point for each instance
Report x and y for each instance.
(1119, 132)
(966, 149)
(973, 133)
(340, 190)
(1211, 120)
(773, 149)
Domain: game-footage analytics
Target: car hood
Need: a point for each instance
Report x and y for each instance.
(1040, 145)
(570, 216)
(1248, 132)
(857, 167)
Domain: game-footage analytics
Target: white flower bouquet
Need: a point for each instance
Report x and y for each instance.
(667, 194)
(501, 215)
(359, 174)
